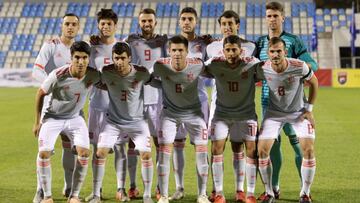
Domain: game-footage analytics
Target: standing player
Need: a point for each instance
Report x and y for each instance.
(68, 87)
(99, 100)
(53, 54)
(229, 23)
(197, 48)
(285, 77)
(235, 112)
(146, 48)
(125, 115)
(179, 82)
(296, 49)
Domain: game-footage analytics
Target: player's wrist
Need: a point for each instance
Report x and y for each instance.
(309, 107)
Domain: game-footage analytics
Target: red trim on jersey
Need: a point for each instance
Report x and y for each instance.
(219, 59)
(164, 61)
(296, 63)
(62, 71)
(39, 66)
(193, 61)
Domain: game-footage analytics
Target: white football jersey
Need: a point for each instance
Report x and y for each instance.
(101, 55)
(53, 54)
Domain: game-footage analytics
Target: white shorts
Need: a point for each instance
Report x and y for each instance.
(138, 132)
(181, 131)
(75, 129)
(272, 124)
(196, 127)
(152, 115)
(239, 131)
(96, 122)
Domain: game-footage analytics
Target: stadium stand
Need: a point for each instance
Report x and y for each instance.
(26, 25)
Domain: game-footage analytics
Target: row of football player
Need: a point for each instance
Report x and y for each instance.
(146, 48)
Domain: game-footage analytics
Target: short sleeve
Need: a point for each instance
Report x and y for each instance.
(49, 83)
(307, 73)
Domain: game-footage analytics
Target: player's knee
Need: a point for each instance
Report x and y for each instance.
(44, 154)
(145, 155)
(83, 152)
(102, 153)
(308, 152)
(263, 152)
(217, 148)
(250, 151)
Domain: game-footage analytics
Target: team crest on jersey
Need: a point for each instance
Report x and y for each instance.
(190, 76)
(244, 75)
(167, 78)
(269, 79)
(222, 75)
(135, 84)
(291, 79)
(342, 77)
(66, 87)
(112, 83)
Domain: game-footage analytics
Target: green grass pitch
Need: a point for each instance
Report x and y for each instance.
(337, 179)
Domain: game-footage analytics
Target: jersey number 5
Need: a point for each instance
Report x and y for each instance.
(147, 53)
(281, 90)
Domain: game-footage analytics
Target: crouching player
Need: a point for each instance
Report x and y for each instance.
(234, 113)
(68, 87)
(285, 77)
(125, 117)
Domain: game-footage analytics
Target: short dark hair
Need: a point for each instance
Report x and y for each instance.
(189, 10)
(71, 15)
(230, 14)
(274, 5)
(80, 46)
(107, 14)
(121, 47)
(232, 39)
(275, 40)
(178, 39)
(148, 11)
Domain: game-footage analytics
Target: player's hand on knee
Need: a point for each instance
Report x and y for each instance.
(36, 129)
(309, 116)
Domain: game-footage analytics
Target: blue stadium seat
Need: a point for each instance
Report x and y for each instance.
(257, 10)
(204, 9)
(341, 11)
(326, 11)
(295, 9)
(175, 10)
(130, 9)
(249, 9)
